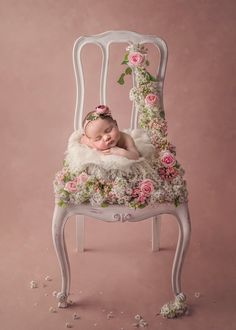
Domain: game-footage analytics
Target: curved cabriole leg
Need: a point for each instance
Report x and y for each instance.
(178, 307)
(60, 217)
(182, 214)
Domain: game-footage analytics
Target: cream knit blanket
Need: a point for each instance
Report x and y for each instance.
(80, 156)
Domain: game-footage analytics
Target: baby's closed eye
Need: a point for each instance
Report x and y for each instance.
(108, 130)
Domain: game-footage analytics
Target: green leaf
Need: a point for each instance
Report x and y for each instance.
(151, 77)
(162, 114)
(61, 203)
(141, 206)
(104, 204)
(128, 71)
(121, 79)
(126, 57)
(125, 60)
(177, 165)
(177, 201)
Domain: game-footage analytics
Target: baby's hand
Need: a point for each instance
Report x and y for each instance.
(113, 151)
(105, 152)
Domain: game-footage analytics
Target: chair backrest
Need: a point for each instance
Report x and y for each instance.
(104, 40)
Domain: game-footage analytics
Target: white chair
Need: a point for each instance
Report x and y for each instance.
(116, 212)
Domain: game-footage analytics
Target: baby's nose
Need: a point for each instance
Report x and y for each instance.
(106, 137)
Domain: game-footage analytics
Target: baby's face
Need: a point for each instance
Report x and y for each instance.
(103, 134)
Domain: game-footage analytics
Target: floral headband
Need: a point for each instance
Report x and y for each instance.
(101, 111)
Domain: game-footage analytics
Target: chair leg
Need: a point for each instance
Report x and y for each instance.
(79, 233)
(59, 220)
(182, 215)
(156, 228)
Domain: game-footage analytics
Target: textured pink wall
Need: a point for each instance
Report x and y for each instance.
(38, 96)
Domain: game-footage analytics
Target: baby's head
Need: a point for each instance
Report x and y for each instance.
(101, 129)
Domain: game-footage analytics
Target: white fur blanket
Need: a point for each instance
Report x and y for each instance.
(79, 156)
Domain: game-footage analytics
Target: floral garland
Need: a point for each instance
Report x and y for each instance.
(168, 184)
(146, 96)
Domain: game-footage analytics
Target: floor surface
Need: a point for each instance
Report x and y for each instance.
(116, 278)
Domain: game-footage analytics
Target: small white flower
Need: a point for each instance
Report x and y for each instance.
(52, 310)
(48, 278)
(69, 325)
(197, 294)
(129, 191)
(143, 323)
(165, 309)
(54, 293)
(138, 317)
(110, 315)
(76, 316)
(33, 285)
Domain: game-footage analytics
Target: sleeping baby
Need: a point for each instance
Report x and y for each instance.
(101, 144)
(101, 132)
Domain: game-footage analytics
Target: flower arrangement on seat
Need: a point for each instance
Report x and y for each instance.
(158, 179)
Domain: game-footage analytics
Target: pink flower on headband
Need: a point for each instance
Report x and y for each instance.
(100, 112)
(102, 109)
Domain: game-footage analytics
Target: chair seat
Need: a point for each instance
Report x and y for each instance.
(120, 213)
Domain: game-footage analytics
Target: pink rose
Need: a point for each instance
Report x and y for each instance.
(136, 58)
(146, 187)
(142, 199)
(70, 186)
(171, 172)
(151, 99)
(167, 159)
(162, 172)
(136, 192)
(102, 109)
(82, 178)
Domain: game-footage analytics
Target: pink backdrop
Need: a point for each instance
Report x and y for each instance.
(38, 97)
